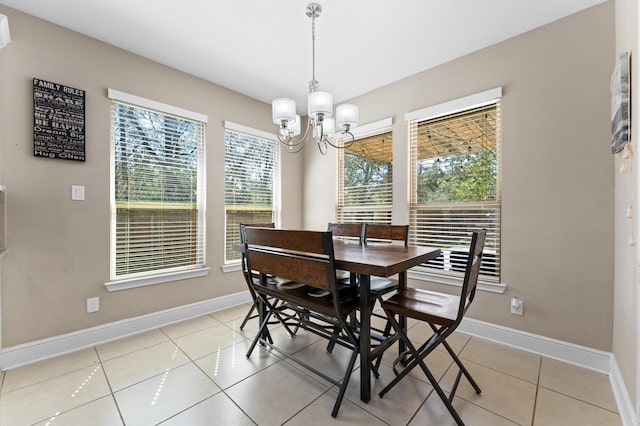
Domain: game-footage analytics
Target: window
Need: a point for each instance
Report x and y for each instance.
(365, 172)
(251, 182)
(455, 182)
(157, 188)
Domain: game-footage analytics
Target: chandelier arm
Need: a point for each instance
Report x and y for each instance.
(291, 141)
(320, 142)
(344, 145)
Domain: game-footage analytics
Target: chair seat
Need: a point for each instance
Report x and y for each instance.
(429, 306)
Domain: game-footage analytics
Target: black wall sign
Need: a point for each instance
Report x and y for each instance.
(58, 121)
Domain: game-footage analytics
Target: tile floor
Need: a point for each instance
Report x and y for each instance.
(195, 373)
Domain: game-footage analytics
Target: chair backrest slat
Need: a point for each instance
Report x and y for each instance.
(386, 233)
(311, 271)
(472, 271)
(350, 230)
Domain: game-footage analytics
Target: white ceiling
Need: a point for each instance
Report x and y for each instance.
(263, 48)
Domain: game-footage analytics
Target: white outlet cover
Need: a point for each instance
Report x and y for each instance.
(77, 192)
(93, 304)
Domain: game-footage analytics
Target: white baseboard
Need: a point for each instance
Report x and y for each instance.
(26, 353)
(581, 356)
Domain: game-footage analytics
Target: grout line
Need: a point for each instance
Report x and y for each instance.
(106, 378)
(535, 398)
(580, 400)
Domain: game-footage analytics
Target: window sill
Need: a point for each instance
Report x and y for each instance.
(231, 267)
(156, 279)
(438, 279)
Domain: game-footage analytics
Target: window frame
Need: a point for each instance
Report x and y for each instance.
(234, 264)
(375, 128)
(488, 97)
(198, 269)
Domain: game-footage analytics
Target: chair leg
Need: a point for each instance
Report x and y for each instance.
(417, 359)
(333, 340)
(345, 382)
(261, 330)
(461, 366)
(248, 316)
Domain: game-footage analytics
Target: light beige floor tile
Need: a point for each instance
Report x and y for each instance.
(47, 369)
(251, 327)
(333, 364)
(51, 397)
(554, 409)
(208, 341)
(502, 394)
(275, 394)
(183, 328)
(135, 367)
(228, 366)
(230, 314)
(101, 412)
(291, 345)
(130, 344)
(409, 394)
(319, 412)
(434, 413)
(516, 362)
(218, 407)
(165, 395)
(580, 383)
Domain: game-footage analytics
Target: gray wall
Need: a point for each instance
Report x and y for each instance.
(557, 174)
(59, 249)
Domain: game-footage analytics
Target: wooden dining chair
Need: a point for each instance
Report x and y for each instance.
(254, 306)
(304, 257)
(443, 312)
(350, 232)
(384, 234)
(381, 286)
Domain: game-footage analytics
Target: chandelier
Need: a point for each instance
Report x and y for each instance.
(321, 124)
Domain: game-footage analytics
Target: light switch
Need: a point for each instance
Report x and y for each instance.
(77, 192)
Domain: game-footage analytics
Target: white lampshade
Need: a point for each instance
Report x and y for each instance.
(283, 109)
(320, 103)
(346, 114)
(294, 128)
(328, 127)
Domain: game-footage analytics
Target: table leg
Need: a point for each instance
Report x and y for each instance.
(402, 320)
(365, 338)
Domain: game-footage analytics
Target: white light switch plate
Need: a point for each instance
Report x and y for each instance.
(77, 192)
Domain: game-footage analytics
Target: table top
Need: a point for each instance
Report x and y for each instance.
(382, 260)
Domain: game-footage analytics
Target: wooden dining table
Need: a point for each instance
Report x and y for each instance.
(381, 260)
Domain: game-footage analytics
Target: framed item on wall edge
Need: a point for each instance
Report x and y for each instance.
(620, 104)
(58, 121)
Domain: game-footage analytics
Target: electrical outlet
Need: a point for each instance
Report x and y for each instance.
(93, 304)
(77, 192)
(517, 306)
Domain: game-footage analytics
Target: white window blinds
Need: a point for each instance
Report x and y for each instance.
(365, 178)
(251, 180)
(157, 202)
(455, 186)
